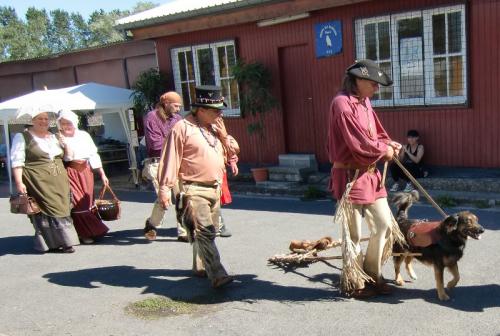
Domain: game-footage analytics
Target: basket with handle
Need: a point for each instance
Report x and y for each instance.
(108, 209)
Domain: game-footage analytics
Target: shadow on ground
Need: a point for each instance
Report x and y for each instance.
(17, 245)
(463, 298)
(181, 286)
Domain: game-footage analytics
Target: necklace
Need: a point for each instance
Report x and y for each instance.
(214, 144)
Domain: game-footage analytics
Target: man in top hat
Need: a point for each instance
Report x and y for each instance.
(157, 125)
(195, 153)
(356, 142)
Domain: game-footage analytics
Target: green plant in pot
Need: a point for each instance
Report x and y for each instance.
(256, 99)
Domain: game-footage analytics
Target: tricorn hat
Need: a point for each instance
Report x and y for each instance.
(209, 96)
(368, 69)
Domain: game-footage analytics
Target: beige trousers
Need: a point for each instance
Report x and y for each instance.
(150, 172)
(378, 218)
(206, 204)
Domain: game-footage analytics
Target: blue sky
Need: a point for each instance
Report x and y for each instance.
(84, 7)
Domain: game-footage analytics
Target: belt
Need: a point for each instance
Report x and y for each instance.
(152, 160)
(341, 165)
(77, 164)
(213, 185)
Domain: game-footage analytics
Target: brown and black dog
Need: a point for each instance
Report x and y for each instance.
(445, 243)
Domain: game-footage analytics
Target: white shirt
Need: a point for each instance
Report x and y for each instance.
(83, 148)
(49, 145)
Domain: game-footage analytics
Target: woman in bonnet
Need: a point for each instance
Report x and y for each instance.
(80, 160)
(38, 170)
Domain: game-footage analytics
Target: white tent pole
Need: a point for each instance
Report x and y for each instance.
(130, 148)
(7, 143)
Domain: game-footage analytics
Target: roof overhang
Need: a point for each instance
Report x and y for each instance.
(229, 14)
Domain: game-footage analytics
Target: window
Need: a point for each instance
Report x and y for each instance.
(207, 64)
(424, 52)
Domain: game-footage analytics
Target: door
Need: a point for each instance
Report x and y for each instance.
(297, 101)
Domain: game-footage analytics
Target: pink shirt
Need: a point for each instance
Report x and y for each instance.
(187, 155)
(355, 136)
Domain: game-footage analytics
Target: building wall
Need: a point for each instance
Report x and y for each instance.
(118, 64)
(453, 136)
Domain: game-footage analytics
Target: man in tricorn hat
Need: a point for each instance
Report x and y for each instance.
(196, 152)
(356, 142)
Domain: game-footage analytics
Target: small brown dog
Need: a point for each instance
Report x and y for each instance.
(440, 243)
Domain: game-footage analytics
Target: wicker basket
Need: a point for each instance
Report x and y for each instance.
(108, 209)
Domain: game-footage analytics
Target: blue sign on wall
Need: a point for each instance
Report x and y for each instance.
(328, 38)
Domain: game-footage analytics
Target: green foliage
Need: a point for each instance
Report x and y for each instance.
(254, 80)
(256, 98)
(148, 88)
(482, 204)
(43, 34)
(312, 193)
(446, 201)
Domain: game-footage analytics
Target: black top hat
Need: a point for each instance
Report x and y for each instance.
(209, 96)
(368, 69)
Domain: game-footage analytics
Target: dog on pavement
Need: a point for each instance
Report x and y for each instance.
(441, 244)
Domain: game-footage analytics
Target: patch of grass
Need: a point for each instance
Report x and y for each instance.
(156, 307)
(312, 193)
(446, 201)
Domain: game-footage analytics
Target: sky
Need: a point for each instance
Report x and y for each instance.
(84, 7)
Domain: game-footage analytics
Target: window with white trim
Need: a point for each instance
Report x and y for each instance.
(424, 52)
(207, 64)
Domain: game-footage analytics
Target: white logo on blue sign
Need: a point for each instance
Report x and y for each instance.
(328, 38)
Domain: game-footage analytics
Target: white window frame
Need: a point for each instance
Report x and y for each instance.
(361, 49)
(429, 92)
(429, 57)
(176, 70)
(396, 73)
(213, 47)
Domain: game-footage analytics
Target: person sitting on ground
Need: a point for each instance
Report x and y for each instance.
(411, 158)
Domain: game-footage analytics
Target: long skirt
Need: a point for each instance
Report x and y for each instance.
(81, 181)
(53, 232)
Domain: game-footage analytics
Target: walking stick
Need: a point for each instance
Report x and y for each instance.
(419, 187)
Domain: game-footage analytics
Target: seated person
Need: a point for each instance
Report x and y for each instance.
(411, 157)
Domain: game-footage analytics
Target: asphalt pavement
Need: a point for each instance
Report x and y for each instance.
(91, 291)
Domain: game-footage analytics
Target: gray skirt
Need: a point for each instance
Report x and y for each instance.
(53, 232)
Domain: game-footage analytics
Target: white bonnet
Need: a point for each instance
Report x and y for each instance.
(68, 115)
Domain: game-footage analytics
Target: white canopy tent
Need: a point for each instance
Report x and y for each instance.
(84, 97)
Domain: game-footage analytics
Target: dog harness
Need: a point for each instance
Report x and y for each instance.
(423, 234)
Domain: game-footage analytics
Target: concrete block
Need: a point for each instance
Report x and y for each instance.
(298, 161)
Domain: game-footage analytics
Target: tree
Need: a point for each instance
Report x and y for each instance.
(60, 32)
(37, 25)
(12, 32)
(81, 31)
(42, 34)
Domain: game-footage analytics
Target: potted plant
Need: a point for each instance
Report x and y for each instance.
(256, 99)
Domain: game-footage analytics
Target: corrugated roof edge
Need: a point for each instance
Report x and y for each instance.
(192, 13)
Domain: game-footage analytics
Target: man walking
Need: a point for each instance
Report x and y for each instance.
(194, 158)
(157, 126)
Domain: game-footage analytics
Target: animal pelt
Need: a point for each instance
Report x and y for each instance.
(185, 213)
(307, 245)
(453, 233)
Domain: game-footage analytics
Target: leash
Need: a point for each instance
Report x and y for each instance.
(419, 187)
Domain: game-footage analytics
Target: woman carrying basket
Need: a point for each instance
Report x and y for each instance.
(79, 161)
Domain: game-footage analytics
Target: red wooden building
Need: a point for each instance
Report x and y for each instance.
(443, 56)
